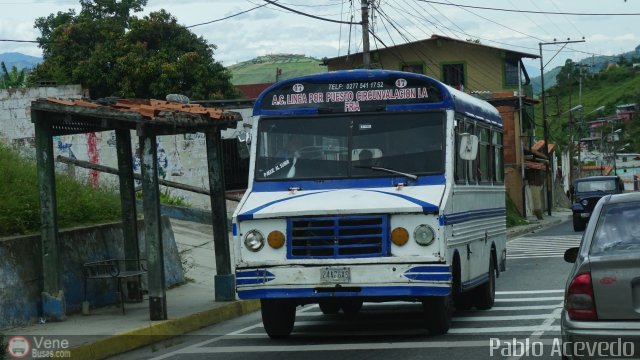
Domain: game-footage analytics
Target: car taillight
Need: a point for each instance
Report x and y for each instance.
(580, 302)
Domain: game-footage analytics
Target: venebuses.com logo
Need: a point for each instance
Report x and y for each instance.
(18, 347)
(37, 347)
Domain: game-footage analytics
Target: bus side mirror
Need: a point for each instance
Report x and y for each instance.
(468, 146)
(244, 137)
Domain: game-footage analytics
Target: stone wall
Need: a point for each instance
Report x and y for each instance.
(21, 278)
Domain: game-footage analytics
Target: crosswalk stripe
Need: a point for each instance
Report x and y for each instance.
(522, 292)
(549, 298)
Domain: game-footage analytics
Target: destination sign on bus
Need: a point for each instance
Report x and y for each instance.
(351, 96)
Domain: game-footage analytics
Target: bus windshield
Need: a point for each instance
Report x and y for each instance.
(353, 146)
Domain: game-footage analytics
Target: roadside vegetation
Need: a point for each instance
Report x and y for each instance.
(78, 204)
(513, 216)
(617, 85)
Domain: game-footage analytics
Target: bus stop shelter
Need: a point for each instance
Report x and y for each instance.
(149, 119)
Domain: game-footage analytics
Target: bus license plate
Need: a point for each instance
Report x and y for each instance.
(335, 275)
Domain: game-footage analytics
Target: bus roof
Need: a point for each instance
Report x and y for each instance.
(369, 90)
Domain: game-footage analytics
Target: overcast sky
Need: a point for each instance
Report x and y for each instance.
(270, 29)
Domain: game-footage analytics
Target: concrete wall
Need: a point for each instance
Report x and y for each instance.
(181, 158)
(21, 269)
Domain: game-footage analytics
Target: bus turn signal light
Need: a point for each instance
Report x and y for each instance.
(399, 236)
(275, 239)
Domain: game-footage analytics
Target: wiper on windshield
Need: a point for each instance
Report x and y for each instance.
(410, 176)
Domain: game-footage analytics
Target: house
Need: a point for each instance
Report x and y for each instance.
(491, 73)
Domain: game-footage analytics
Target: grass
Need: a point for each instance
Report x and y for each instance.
(263, 69)
(78, 204)
(513, 216)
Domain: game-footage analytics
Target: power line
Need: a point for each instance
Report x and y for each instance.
(311, 16)
(227, 17)
(19, 41)
(531, 11)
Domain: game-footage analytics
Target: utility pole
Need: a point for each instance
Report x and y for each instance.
(366, 56)
(544, 119)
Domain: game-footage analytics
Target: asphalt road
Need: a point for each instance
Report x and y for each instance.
(529, 298)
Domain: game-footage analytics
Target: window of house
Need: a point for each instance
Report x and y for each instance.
(453, 75)
(511, 74)
(414, 68)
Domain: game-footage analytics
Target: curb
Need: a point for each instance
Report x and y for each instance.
(162, 330)
(533, 227)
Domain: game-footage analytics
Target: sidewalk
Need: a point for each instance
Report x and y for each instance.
(106, 332)
(558, 216)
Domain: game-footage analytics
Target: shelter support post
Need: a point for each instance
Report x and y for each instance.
(53, 302)
(152, 227)
(224, 280)
(128, 206)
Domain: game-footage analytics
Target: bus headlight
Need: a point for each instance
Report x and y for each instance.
(254, 241)
(584, 202)
(399, 236)
(424, 235)
(275, 239)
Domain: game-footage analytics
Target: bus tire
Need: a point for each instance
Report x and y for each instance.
(329, 307)
(351, 306)
(438, 311)
(461, 300)
(485, 295)
(278, 317)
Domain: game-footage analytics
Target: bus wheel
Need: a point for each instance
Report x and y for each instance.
(278, 317)
(351, 306)
(438, 311)
(329, 307)
(486, 293)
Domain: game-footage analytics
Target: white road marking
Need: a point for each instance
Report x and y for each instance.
(549, 298)
(338, 347)
(523, 292)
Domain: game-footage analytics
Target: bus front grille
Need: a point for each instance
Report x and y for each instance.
(336, 237)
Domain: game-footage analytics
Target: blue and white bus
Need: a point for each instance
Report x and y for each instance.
(371, 186)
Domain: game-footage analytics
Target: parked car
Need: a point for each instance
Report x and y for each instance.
(602, 295)
(587, 192)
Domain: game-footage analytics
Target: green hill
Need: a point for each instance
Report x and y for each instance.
(263, 68)
(611, 87)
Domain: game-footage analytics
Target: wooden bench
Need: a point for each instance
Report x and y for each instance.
(114, 269)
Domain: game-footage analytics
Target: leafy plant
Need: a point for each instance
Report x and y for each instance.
(78, 204)
(12, 79)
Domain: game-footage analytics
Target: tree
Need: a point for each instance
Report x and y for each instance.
(569, 74)
(113, 53)
(12, 79)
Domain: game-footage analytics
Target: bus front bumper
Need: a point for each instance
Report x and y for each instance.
(361, 280)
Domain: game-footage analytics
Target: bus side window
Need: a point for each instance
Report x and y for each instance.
(498, 157)
(472, 165)
(460, 165)
(484, 156)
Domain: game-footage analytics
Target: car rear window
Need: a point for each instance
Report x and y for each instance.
(618, 229)
(596, 185)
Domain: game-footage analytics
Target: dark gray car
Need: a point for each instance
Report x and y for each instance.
(602, 297)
